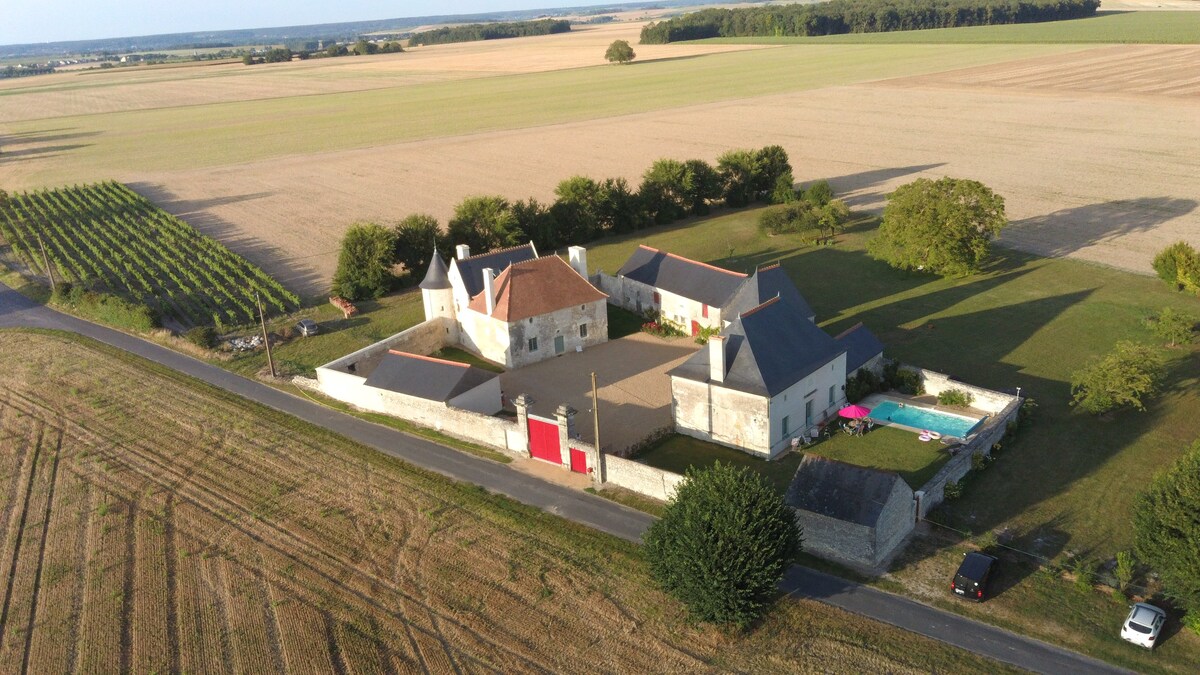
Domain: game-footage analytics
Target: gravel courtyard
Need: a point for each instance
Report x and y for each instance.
(635, 393)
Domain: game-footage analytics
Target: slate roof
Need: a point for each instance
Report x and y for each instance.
(436, 278)
(471, 269)
(536, 287)
(860, 344)
(764, 284)
(843, 491)
(767, 350)
(426, 377)
(710, 285)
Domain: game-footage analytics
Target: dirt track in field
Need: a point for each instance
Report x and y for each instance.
(1107, 175)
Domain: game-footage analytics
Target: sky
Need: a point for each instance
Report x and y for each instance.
(27, 21)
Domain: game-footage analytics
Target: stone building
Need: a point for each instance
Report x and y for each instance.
(684, 292)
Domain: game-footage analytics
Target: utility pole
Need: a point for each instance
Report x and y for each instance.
(46, 262)
(266, 339)
(596, 414)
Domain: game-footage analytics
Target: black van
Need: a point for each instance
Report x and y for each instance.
(972, 577)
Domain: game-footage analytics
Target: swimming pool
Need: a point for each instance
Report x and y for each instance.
(924, 418)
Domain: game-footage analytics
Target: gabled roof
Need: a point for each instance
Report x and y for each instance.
(471, 269)
(426, 377)
(764, 284)
(710, 285)
(536, 287)
(436, 278)
(843, 491)
(860, 344)
(767, 350)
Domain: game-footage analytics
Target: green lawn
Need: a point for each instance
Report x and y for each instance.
(622, 322)
(1180, 27)
(883, 448)
(186, 137)
(461, 356)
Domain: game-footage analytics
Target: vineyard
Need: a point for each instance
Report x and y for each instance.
(201, 533)
(107, 237)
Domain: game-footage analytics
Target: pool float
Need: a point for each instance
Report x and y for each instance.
(925, 437)
(933, 434)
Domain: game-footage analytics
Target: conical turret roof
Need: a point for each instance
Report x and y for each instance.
(437, 278)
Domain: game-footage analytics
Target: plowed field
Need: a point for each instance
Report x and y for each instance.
(164, 527)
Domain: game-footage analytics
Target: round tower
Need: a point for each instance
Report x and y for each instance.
(436, 292)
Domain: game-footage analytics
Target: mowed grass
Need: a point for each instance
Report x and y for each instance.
(206, 533)
(1167, 27)
(235, 132)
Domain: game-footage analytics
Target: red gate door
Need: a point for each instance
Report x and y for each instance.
(695, 328)
(578, 461)
(543, 441)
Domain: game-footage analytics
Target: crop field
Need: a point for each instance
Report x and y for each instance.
(201, 533)
(1165, 27)
(107, 237)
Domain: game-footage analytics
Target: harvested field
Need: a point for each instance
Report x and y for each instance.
(236, 539)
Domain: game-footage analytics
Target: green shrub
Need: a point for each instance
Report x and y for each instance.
(1172, 327)
(1123, 377)
(956, 397)
(863, 384)
(1124, 571)
(952, 491)
(1191, 621)
(705, 333)
(201, 336)
(1179, 266)
(107, 308)
(1027, 412)
(979, 461)
(1085, 574)
(903, 381)
(986, 541)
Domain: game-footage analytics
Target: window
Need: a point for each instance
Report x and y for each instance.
(704, 311)
(832, 389)
(657, 298)
(533, 344)
(808, 416)
(786, 421)
(583, 330)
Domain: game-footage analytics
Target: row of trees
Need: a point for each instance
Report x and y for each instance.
(584, 209)
(860, 16)
(360, 48)
(489, 31)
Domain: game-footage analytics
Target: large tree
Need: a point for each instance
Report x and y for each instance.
(577, 209)
(484, 223)
(416, 236)
(723, 544)
(665, 190)
(1166, 528)
(365, 262)
(703, 186)
(1123, 377)
(944, 226)
(619, 52)
(739, 177)
(621, 209)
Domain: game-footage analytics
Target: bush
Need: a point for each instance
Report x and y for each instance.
(1124, 571)
(1173, 327)
(901, 380)
(1027, 412)
(956, 397)
(705, 333)
(107, 308)
(1085, 574)
(797, 217)
(1179, 266)
(1191, 621)
(1123, 377)
(979, 461)
(662, 329)
(202, 336)
(723, 544)
(953, 490)
(863, 384)
(819, 193)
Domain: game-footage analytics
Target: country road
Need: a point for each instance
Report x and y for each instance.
(16, 311)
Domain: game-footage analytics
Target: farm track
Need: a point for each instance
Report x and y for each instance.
(208, 547)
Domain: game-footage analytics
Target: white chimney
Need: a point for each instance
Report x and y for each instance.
(578, 258)
(462, 251)
(489, 289)
(716, 358)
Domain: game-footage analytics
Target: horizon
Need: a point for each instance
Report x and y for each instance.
(82, 20)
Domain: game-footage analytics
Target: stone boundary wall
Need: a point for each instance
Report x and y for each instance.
(640, 478)
(835, 539)
(465, 425)
(932, 493)
(986, 400)
(424, 338)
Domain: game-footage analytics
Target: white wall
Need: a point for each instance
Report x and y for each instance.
(640, 478)
(484, 399)
(986, 400)
(790, 402)
(711, 413)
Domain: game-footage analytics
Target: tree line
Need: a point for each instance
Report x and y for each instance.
(584, 209)
(860, 16)
(489, 31)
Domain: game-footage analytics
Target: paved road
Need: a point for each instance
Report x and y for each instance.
(595, 512)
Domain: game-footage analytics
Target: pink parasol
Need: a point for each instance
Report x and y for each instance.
(854, 412)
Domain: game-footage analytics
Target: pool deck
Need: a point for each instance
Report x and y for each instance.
(924, 402)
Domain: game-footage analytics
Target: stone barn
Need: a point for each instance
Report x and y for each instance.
(851, 513)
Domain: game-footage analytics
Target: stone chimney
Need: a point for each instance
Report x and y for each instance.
(489, 289)
(578, 258)
(462, 251)
(716, 358)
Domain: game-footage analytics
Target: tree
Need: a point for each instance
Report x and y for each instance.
(722, 544)
(738, 177)
(770, 163)
(336, 50)
(832, 217)
(362, 47)
(665, 190)
(248, 60)
(1179, 266)
(365, 263)
(416, 236)
(535, 222)
(703, 184)
(819, 193)
(784, 191)
(577, 210)
(944, 226)
(1173, 326)
(1167, 532)
(1123, 377)
(621, 210)
(619, 52)
(484, 223)
(798, 217)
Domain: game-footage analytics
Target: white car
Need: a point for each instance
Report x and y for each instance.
(1144, 624)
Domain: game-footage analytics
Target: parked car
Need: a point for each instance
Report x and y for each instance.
(971, 579)
(307, 327)
(1143, 625)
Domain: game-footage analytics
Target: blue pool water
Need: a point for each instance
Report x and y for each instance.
(923, 418)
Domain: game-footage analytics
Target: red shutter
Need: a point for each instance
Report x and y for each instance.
(704, 311)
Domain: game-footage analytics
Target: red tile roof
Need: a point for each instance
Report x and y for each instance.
(536, 287)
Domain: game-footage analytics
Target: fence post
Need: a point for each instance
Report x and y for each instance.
(566, 431)
(522, 403)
